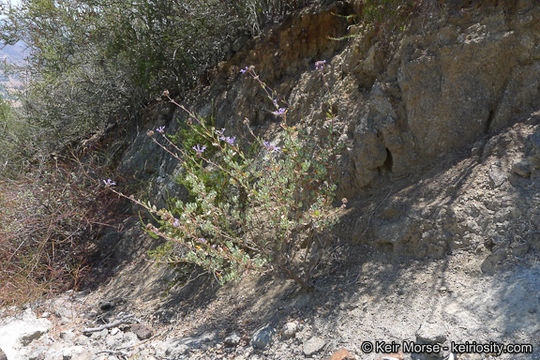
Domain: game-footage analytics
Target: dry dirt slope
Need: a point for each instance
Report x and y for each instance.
(485, 286)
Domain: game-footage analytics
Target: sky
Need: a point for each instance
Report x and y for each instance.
(10, 54)
(4, 2)
(16, 52)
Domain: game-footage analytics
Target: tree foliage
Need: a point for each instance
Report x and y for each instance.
(93, 61)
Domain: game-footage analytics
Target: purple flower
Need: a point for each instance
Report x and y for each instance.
(244, 70)
(319, 65)
(203, 240)
(199, 149)
(161, 129)
(109, 182)
(176, 223)
(220, 132)
(228, 139)
(280, 112)
(271, 147)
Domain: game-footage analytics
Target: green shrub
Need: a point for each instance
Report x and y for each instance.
(249, 212)
(15, 142)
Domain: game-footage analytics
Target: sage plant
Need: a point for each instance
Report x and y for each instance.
(261, 212)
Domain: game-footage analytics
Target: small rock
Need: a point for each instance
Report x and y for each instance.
(100, 334)
(342, 355)
(38, 353)
(443, 289)
(81, 294)
(2, 355)
(176, 350)
(105, 306)
(198, 342)
(142, 331)
(177, 347)
(82, 340)
(522, 168)
(313, 346)
(67, 336)
(289, 330)
(63, 309)
(130, 339)
(232, 340)
(430, 333)
(493, 262)
(110, 304)
(31, 336)
(21, 331)
(160, 347)
(114, 341)
(262, 337)
(497, 176)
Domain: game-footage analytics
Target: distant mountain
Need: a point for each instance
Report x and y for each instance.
(14, 54)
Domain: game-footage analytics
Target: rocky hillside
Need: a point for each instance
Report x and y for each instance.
(405, 102)
(440, 119)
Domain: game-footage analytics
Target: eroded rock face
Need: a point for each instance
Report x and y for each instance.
(480, 204)
(443, 88)
(458, 86)
(454, 75)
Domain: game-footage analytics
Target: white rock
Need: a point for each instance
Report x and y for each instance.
(81, 340)
(130, 339)
(289, 330)
(232, 340)
(67, 335)
(17, 332)
(100, 334)
(313, 346)
(114, 341)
